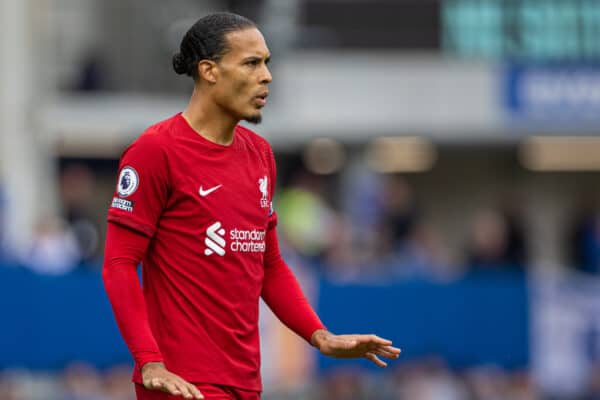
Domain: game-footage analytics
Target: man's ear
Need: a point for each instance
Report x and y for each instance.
(207, 70)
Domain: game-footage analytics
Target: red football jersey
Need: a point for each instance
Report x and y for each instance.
(207, 208)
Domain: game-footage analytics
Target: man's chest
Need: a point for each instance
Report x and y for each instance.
(234, 192)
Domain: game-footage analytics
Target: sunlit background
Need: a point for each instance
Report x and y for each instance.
(438, 184)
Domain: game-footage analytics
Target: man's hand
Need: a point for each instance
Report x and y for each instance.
(156, 377)
(370, 347)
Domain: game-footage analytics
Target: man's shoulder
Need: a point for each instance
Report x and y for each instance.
(156, 134)
(154, 140)
(253, 137)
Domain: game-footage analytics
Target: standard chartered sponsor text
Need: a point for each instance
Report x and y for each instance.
(247, 240)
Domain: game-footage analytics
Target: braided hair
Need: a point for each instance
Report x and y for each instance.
(205, 40)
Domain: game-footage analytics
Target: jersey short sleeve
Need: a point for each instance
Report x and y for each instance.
(142, 187)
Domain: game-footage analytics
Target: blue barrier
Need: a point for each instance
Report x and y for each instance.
(481, 319)
(49, 321)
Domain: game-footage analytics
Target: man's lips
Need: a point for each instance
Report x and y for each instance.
(261, 99)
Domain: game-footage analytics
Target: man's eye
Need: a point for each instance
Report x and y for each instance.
(252, 62)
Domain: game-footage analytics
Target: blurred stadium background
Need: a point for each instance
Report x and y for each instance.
(438, 184)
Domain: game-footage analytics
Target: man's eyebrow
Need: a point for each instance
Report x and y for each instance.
(251, 58)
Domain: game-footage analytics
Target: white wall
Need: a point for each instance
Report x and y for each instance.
(348, 96)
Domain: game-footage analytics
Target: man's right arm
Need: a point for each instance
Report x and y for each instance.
(124, 250)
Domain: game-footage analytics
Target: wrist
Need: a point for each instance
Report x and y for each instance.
(144, 357)
(319, 337)
(152, 365)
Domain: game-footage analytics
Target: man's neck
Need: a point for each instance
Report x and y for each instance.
(209, 121)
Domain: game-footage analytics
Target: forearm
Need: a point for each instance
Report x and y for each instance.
(283, 294)
(124, 249)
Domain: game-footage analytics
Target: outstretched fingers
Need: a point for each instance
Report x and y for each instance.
(196, 392)
(188, 390)
(380, 341)
(387, 352)
(176, 387)
(373, 340)
(185, 389)
(164, 385)
(372, 357)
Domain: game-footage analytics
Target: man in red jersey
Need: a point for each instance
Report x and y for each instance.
(193, 204)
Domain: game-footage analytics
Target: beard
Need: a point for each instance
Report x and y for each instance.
(254, 119)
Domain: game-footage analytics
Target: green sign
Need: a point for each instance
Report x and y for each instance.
(537, 30)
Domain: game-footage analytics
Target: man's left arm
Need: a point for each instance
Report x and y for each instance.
(283, 295)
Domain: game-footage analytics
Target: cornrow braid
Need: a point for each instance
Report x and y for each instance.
(205, 40)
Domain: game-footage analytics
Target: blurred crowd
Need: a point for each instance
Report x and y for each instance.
(72, 238)
(78, 381)
(366, 226)
(427, 379)
(355, 225)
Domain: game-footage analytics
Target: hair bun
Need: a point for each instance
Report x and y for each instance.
(179, 64)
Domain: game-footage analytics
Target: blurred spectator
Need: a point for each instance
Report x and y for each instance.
(82, 382)
(362, 204)
(584, 240)
(92, 73)
(399, 213)
(516, 243)
(77, 182)
(487, 382)
(522, 386)
(345, 384)
(593, 389)
(117, 383)
(429, 379)
(11, 388)
(489, 242)
(25, 385)
(343, 261)
(493, 383)
(54, 248)
(421, 254)
(307, 222)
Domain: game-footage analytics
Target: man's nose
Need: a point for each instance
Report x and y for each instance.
(266, 76)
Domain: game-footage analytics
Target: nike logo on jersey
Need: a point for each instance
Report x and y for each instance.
(206, 192)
